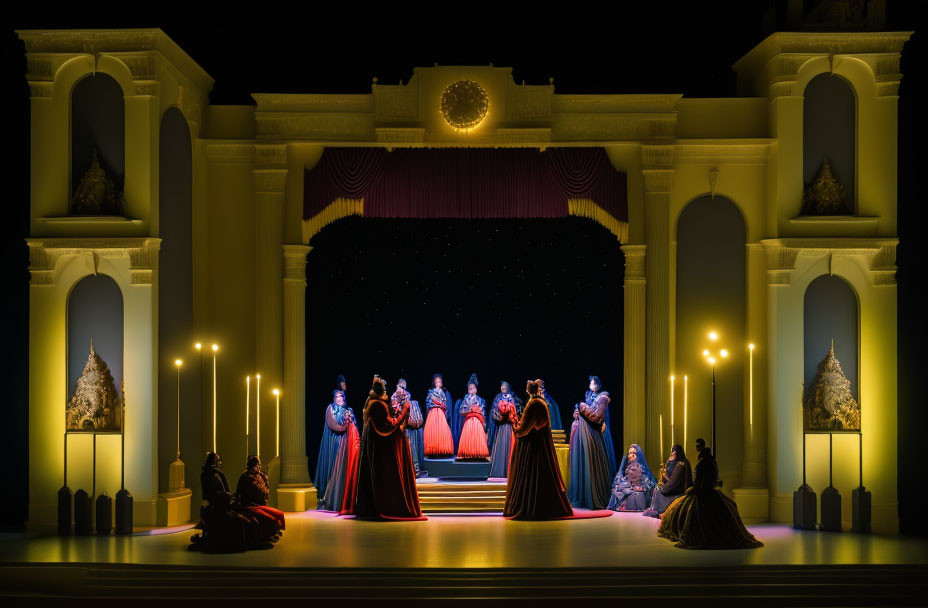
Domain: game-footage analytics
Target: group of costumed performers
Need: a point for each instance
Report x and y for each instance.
(240, 521)
(703, 517)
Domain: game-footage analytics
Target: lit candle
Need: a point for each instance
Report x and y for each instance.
(685, 387)
(178, 363)
(671, 412)
(258, 414)
(247, 410)
(277, 395)
(215, 348)
(660, 423)
(751, 383)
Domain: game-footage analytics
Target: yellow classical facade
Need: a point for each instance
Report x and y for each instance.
(250, 242)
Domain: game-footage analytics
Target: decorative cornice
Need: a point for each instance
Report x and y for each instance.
(129, 45)
(44, 255)
(400, 135)
(634, 262)
(231, 152)
(524, 136)
(619, 104)
(329, 103)
(720, 152)
(833, 43)
(295, 262)
(782, 255)
(272, 156)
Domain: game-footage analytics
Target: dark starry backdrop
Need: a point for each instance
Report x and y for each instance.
(506, 299)
(646, 47)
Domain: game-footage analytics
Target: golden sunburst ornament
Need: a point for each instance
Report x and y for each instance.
(464, 104)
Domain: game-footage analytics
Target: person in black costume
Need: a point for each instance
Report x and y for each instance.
(704, 518)
(676, 478)
(226, 525)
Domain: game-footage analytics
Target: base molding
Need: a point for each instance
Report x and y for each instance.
(753, 504)
(174, 507)
(293, 497)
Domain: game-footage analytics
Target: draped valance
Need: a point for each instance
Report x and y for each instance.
(466, 183)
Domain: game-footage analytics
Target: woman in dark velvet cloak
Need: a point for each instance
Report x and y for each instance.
(503, 414)
(386, 477)
(704, 518)
(633, 483)
(252, 491)
(225, 524)
(676, 478)
(414, 426)
(553, 411)
(590, 479)
(438, 439)
(338, 418)
(535, 489)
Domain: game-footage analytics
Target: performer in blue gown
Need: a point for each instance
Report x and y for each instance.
(553, 411)
(503, 414)
(337, 419)
(591, 395)
(633, 483)
(414, 425)
(589, 466)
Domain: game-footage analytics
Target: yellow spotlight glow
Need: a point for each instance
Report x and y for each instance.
(178, 362)
(723, 352)
(751, 346)
(712, 360)
(275, 392)
(215, 347)
(198, 346)
(713, 335)
(258, 376)
(705, 353)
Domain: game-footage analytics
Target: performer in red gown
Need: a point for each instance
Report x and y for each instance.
(472, 408)
(252, 493)
(438, 440)
(535, 489)
(386, 476)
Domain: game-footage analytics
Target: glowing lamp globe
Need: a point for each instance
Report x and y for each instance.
(464, 104)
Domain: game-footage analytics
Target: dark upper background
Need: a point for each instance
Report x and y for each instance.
(644, 48)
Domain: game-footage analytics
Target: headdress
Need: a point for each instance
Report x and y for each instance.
(639, 456)
(473, 380)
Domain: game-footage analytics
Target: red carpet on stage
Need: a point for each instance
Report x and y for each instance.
(583, 514)
(384, 518)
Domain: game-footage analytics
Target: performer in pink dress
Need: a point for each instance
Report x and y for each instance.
(438, 440)
(473, 443)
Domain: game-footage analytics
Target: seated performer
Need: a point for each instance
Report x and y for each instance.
(437, 437)
(226, 525)
(704, 518)
(414, 430)
(472, 409)
(553, 410)
(676, 478)
(252, 492)
(589, 466)
(535, 489)
(339, 492)
(633, 483)
(503, 414)
(338, 418)
(386, 477)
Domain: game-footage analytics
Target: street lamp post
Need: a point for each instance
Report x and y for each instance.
(711, 358)
(215, 349)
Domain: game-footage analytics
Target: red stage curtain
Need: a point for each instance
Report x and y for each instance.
(465, 182)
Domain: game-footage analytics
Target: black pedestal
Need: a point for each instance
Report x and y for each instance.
(83, 514)
(123, 512)
(860, 503)
(104, 514)
(64, 511)
(831, 509)
(804, 508)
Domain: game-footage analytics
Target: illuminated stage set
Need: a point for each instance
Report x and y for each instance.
(170, 245)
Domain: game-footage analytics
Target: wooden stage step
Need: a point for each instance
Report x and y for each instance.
(461, 496)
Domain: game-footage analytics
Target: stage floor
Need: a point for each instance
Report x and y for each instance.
(318, 539)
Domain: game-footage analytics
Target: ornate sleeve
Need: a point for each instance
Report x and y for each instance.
(380, 418)
(595, 412)
(534, 417)
(495, 414)
(415, 415)
(337, 423)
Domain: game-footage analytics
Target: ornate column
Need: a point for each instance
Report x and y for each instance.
(753, 497)
(270, 175)
(296, 492)
(657, 162)
(633, 418)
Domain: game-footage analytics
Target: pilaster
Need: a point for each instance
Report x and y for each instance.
(633, 385)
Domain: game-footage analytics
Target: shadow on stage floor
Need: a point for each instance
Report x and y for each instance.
(465, 557)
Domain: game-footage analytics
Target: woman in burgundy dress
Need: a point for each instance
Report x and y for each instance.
(535, 489)
(386, 476)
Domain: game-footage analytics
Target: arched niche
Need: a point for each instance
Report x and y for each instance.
(98, 126)
(831, 313)
(829, 129)
(95, 314)
(711, 296)
(175, 296)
